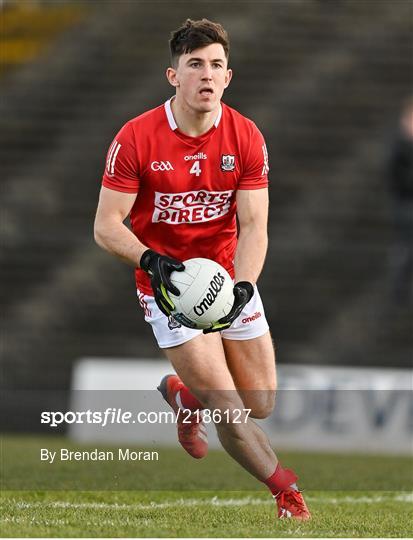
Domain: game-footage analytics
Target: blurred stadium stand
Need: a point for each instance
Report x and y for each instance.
(29, 26)
(324, 82)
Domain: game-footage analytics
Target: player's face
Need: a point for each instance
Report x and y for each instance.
(201, 77)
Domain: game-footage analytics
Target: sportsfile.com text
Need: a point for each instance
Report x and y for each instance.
(113, 415)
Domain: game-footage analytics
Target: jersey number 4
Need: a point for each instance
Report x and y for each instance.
(196, 168)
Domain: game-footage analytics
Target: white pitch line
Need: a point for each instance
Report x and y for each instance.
(214, 501)
(403, 497)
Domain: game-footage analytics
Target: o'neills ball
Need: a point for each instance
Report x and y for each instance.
(206, 293)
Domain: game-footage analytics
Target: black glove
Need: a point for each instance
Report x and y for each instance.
(160, 268)
(243, 292)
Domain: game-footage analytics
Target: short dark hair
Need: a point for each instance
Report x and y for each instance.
(196, 34)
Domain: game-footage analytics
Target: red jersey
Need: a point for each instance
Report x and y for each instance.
(185, 205)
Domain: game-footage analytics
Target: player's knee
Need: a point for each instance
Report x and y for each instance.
(224, 407)
(262, 404)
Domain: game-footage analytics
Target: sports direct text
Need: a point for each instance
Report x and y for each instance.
(113, 415)
(191, 206)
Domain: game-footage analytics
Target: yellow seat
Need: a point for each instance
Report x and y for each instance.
(28, 29)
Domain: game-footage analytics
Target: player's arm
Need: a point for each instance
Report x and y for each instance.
(252, 213)
(114, 236)
(111, 233)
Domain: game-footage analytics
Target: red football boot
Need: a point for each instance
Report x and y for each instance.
(291, 504)
(192, 435)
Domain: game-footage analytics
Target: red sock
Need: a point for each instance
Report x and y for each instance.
(188, 401)
(280, 480)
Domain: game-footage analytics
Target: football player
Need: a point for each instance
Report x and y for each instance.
(184, 172)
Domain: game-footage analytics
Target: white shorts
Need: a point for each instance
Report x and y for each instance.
(250, 324)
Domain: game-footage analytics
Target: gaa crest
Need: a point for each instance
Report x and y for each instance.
(227, 162)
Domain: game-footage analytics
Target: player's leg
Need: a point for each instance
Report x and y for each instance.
(251, 358)
(252, 367)
(251, 363)
(202, 366)
(170, 333)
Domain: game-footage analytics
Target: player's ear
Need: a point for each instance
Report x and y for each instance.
(171, 76)
(228, 77)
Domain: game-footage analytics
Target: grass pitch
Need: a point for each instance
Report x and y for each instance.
(183, 514)
(221, 512)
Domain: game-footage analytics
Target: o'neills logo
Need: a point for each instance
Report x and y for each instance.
(201, 155)
(256, 315)
(214, 287)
